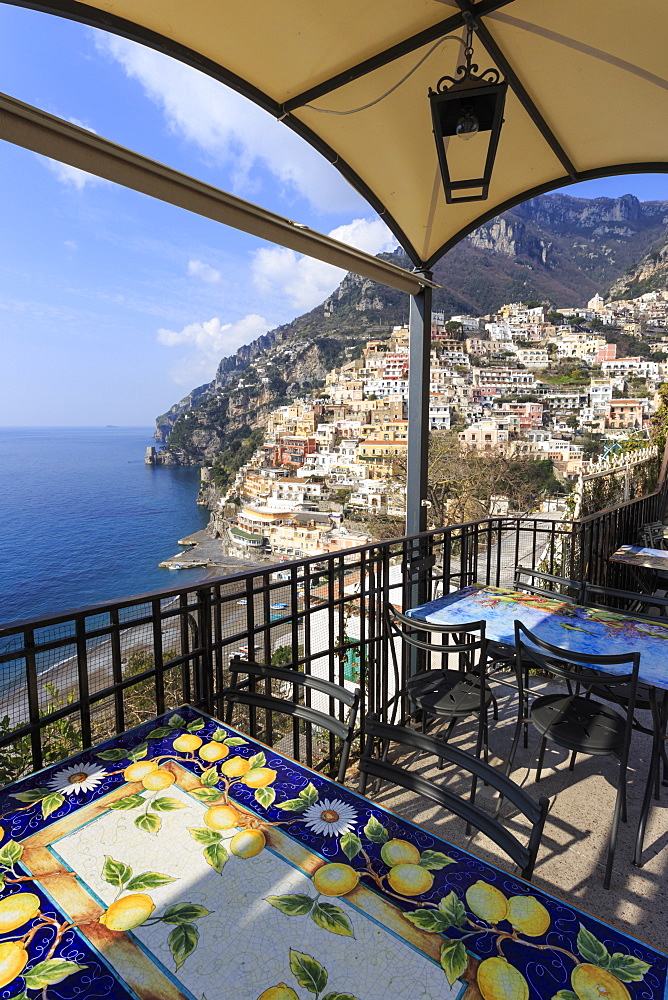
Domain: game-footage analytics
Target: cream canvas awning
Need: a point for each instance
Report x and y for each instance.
(587, 96)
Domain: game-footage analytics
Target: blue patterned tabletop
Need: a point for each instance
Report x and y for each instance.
(572, 626)
(635, 555)
(184, 860)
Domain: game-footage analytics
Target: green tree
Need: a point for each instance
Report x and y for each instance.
(658, 425)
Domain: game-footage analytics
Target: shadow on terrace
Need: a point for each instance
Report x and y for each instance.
(72, 680)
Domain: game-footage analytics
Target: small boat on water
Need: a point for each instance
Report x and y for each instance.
(242, 601)
(278, 607)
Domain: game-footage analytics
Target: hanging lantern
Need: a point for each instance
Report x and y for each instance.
(467, 114)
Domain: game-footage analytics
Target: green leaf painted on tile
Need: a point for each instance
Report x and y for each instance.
(149, 880)
(293, 805)
(50, 972)
(216, 856)
(591, 949)
(51, 802)
(166, 804)
(332, 918)
(308, 972)
(116, 754)
(627, 968)
(148, 822)
(184, 913)
(309, 795)
(10, 853)
(265, 796)
(376, 832)
(429, 920)
(182, 942)
(159, 733)
(129, 802)
(206, 794)
(203, 835)
(293, 904)
(433, 860)
(33, 795)
(453, 910)
(351, 845)
(454, 960)
(115, 872)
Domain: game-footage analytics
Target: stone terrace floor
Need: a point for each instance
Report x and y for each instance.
(572, 855)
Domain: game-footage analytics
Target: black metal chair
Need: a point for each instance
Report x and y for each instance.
(443, 693)
(298, 706)
(576, 721)
(535, 581)
(647, 698)
(652, 535)
(522, 855)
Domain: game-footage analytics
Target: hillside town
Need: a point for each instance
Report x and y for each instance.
(559, 385)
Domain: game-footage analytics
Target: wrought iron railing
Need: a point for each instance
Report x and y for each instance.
(70, 680)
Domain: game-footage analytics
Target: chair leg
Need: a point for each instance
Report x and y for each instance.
(521, 722)
(612, 844)
(647, 800)
(445, 738)
(541, 755)
(574, 755)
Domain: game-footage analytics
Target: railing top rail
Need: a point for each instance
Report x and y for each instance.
(625, 503)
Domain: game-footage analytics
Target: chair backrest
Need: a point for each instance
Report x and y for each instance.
(523, 855)
(603, 598)
(467, 638)
(652, 535)
(573, 667)
(246, 693)
(467, 642)
(535, 581)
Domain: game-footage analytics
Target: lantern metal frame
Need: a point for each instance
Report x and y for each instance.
(468, 92)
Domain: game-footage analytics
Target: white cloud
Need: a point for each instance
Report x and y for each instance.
(198, 269)
(68, 175)
(230, 129)
(70, 244)
(209, 342)
(304, 281)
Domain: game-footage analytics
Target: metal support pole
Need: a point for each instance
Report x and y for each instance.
(419, 329)
(417, 562)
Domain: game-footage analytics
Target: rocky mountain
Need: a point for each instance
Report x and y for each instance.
(650, 275)
(552, 248)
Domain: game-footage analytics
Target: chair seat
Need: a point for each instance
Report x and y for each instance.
(578, 723)
(622, 694)
(447, 693)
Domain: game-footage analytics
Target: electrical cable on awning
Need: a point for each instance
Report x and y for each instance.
(353, 111)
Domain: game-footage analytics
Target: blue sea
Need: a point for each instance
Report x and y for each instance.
(84, 520)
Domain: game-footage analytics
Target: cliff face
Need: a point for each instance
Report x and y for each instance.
(650, 275)
(553, 248)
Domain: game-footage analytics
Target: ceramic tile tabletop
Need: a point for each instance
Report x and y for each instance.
(572, 626)
(184, 860)
(634, 555)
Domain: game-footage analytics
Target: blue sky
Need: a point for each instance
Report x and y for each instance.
(113, 305)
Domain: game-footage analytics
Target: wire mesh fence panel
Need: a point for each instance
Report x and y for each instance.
(69, 681)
